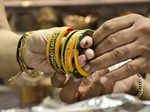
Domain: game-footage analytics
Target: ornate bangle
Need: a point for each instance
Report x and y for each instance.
(140, 87)
(23, 66)
(52, 57)
(76, 53)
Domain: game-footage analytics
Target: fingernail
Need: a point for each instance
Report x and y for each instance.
(103, 80)
(82, 60)
(89, 54)
(87, 68)
(86, 44)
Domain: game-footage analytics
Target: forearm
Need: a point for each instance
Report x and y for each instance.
(3, 19)
(8, 47)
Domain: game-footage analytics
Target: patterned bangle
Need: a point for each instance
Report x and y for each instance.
(140, 87)
(51, 51)
(76, 53)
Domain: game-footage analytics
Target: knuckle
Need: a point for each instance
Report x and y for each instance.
(143, 28)
(117, 55)
(107, 26)
(144, 49)
(136, 16)
(130, 68)
(111, 40)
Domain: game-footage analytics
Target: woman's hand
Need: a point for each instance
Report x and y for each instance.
(34, 54)
(120, 39)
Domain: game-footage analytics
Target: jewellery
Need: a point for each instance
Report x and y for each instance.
(64, 48)
(23, 66)
(76, 53)
(69, 52)
(140, 87)
(67, 62)
(58, 44)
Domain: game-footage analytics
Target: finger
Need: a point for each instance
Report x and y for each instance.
(86, 42)
(58, 80)
(95, 88)
(82, 60)
(115, 40)
(89, 54)
(114, 57)
(69, 93)
(124, 72)
(114, 25)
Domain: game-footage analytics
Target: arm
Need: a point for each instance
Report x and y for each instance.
(146, 93)
(8, 45)
(3, 19)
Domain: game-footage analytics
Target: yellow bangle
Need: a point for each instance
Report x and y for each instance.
(64, 48)
(76, 53)
(63, 33)
(69, 52)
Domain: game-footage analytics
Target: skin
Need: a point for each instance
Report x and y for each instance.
(117, 40)
(120, 39)
(134, 26)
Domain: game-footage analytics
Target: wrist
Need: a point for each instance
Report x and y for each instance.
(134, 88)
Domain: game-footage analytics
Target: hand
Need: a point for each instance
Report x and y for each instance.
(80, 89)
(119, 39)
(34, 54)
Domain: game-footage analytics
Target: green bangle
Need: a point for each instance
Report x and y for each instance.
(78, 49)
(64, 48)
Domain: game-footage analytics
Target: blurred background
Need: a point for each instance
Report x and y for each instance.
(27, 15)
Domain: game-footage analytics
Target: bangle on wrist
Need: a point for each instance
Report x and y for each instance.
(140, 87)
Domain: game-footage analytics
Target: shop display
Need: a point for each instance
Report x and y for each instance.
(47, 18)
(80, 22)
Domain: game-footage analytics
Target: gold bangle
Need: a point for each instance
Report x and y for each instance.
(23, 66)
(140, 87)
(48, 51)
(52, 51)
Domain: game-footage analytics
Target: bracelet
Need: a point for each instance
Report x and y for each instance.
(140, 87)
(76, 53)
(64, 48)
(51, 50)
(69, 52)
(62, 34)
(23, 66)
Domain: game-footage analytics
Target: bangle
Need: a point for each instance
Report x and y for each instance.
(23, 66)
(62, 34)
(76, 53)
(69, 52)
(140, 87)
(64, 48)
(51, 50)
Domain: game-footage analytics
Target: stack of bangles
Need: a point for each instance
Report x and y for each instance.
(63, 57)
